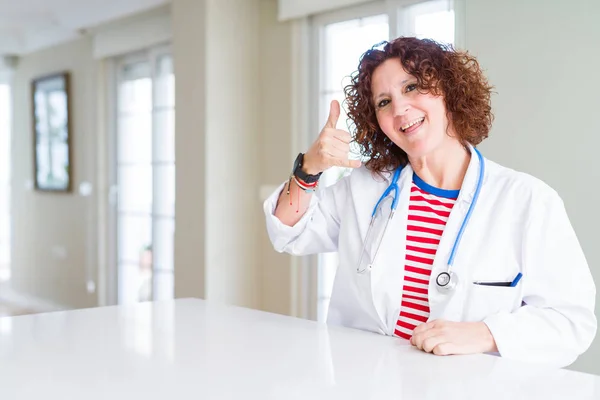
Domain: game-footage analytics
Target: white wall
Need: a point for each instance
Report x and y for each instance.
(53, 249)
(295, 9)
(276, 146)
(189, 54)
(216, 49)
(229, 141)
(542, 57)
(232, 145)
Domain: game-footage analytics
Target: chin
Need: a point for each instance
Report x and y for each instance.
(419, 149)
(417, 145)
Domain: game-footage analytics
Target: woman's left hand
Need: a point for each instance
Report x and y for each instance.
(442, 338)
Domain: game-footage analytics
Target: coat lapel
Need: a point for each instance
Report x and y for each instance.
(388, 272)
(449, 306)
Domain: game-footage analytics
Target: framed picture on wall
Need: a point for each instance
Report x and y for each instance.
(52, 133)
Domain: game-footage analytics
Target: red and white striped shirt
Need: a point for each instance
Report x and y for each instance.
(428, 211)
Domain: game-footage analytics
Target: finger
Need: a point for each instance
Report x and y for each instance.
(424, 327)
(342, 136)
(432, 342)
(339, 156)
(354, 164)
(444, 349)
(344, 162)
(333, 154)
(334, 114)
(338, 145)
(423, 335)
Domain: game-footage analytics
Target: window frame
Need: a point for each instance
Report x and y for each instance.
(114, 77)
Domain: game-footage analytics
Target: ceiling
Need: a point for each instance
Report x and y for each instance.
(30, 25)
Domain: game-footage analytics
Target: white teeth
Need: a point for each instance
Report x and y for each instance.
(417, 121)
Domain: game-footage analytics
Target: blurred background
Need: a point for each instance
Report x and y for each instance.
(139, 138)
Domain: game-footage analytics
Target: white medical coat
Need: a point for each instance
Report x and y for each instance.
(519, 224)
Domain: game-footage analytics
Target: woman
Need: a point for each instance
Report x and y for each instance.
(518, 282)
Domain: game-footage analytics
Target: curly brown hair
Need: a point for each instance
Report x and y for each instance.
(440, 70)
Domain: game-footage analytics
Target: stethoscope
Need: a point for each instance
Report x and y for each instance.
(447, 280)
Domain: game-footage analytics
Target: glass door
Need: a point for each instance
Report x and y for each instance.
(145, 177)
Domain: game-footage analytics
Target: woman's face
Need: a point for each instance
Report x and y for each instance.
(414, 121)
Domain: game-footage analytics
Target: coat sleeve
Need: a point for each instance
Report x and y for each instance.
(556, 323)
(318, 229)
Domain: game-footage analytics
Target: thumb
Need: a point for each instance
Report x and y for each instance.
(334, 114)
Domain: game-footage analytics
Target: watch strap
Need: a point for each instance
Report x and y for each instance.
(300, 174)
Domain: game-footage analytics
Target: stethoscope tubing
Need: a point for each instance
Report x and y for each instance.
(394, 187)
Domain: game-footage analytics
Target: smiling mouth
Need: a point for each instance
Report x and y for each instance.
(413, 125)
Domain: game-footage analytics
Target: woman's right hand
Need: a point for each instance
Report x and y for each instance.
(331, 147)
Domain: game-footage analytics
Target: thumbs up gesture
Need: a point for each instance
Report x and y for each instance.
(331, 147)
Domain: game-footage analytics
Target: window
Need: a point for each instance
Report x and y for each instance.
(5, 182)
(341, 45)
(145, 177)
(341, 41)
(429, 19)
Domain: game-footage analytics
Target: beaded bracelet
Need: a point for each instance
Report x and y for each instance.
(308, 188)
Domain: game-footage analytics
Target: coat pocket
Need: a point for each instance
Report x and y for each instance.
(483, 301)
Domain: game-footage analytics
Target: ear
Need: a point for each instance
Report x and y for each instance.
(450, 131)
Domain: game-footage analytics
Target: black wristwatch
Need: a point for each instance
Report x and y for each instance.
(298, 173)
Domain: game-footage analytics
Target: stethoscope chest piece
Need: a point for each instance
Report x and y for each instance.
(446, 282)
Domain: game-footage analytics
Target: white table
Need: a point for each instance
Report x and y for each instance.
(191, 349)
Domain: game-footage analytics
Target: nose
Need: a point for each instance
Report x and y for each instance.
(401, 106)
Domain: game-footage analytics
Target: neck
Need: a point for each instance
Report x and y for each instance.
(444, 168)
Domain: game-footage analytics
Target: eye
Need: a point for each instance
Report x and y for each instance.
(383, 103)
(410, 87)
